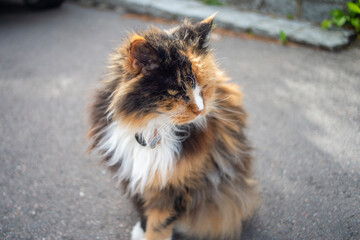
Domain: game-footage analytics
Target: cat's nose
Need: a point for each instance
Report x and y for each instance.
(197, 112)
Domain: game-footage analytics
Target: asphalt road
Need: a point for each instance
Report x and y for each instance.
(304, 107)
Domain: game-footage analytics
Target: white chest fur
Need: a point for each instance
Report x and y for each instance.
(139, 163)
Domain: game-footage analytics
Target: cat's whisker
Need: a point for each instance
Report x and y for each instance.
(229, 110)
(221, 118)
(222, 100)
(162, 126)
(222, 114)
(170, 125)
(216, 110)
(166, 125)
(228, 114)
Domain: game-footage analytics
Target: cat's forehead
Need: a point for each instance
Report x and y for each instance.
(174, 54)
(170, 49)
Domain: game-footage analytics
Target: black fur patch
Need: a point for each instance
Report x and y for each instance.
(178, 208)
(148, 92)
(191, 145)
(139, 206)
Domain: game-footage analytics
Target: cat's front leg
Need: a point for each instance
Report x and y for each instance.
(159, 225)
(137, 233)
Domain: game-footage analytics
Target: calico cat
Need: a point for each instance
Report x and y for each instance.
(171, 129)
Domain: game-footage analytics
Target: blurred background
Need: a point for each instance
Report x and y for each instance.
(296, 60)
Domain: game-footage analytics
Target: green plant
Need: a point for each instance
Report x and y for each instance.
(213, 2)
(340, 18)
(290, 16)
(282, 37)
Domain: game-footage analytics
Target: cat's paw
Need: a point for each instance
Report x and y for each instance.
(137, 232)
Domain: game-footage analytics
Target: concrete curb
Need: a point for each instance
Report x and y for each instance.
(233, 19)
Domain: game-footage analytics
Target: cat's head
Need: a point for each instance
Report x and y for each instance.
(165, 73)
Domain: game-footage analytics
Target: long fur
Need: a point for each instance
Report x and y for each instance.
(192, 172)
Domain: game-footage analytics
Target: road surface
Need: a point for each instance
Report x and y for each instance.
(304, 108)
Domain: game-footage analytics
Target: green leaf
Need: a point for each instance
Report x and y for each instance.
(356, 23)
(336, 13)
(349, 18)
(353, 7)
(282, 36)
(352, 14)
(340, 21)
(326, 24)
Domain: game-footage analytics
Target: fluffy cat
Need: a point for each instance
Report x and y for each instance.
(171, 129)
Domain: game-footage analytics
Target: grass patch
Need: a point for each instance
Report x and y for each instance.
(283, 38)
(213, 2)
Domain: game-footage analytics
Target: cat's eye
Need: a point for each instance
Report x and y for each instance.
(173, 92)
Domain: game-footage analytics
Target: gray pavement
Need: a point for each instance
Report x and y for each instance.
(304, 108)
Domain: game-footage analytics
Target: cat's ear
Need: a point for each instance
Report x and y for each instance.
(143, 57)
(203, 29)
